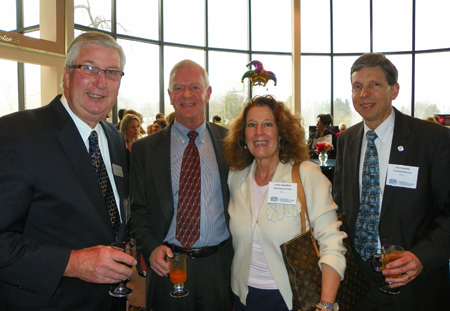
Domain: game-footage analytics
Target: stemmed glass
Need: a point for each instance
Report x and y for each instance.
(121, 289)
(388, 253)
(178, 275)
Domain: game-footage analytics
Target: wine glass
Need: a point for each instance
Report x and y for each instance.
(178, 275)
(121, 290)
(388, 253)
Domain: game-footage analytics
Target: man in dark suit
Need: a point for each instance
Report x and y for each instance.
(156, 163)
(55, 227)
(413, 197)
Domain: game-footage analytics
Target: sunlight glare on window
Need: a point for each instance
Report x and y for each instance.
(433, 24)
(351, 28)
(315, 26)
(8, 16)
(8, 87)
(271, 25)
(228, 22)
(184, 21)
(392, 29)
(142, 22)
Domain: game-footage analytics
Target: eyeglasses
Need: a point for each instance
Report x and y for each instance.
(89, 70)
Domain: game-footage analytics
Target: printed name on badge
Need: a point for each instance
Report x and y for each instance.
(403, 176)
(282, 193)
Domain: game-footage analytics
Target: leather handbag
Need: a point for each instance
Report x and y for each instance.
(301, 256)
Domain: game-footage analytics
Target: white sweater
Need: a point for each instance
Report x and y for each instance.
(278, 223)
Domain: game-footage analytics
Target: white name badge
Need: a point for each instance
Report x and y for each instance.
(117, 169)
(402, 176)
(282, 193)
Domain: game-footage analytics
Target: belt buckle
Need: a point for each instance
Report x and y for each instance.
(197, 252)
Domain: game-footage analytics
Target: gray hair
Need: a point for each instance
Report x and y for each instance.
(93, 37)
(183, 64)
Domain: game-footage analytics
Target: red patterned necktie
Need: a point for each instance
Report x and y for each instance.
(104, 182)
(188, 211)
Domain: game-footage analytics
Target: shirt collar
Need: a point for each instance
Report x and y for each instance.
(385, 129)
(84, 129)
(182, 131)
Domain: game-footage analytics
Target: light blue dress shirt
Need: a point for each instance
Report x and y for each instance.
(213, 228)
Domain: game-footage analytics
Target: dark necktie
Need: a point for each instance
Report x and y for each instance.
(104, 182)
(188, 210)
(366, 233)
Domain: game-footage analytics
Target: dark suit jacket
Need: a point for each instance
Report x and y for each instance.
(51, 203)
(152, 206)
(417, 219)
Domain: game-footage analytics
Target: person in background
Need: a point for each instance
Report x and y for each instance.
(409, 201)
(130, 129)
(159, 115)
(263, 143)
(342, 127)
(322, 134)
(149, 129)
(170, 117)
(158, 196)
(120, 116)
(141, 119)
(159, 124)
(56, 227)
(217, 120)
(434, 119)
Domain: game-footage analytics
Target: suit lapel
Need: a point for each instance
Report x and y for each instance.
(246, 187)
(217, 140)
(352, 159)
(117, 154)
(401, 147)
(159, 161)
(78, 157)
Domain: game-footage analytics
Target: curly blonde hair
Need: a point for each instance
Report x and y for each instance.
(292, 143)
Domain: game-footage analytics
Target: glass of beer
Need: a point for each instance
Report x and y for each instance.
(387, 254)
(178, 275)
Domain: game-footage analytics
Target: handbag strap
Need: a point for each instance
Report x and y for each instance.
(303, 207)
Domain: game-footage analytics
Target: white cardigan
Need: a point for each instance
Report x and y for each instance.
(278, 223)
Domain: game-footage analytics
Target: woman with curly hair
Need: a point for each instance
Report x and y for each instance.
(262, 145)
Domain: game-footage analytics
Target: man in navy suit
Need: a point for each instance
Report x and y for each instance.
(414, 196)
(55, 228)
(154, 188)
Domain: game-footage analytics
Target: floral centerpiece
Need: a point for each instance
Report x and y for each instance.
(322, 148)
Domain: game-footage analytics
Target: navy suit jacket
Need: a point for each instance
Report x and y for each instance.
(417, 219)
(51, 203)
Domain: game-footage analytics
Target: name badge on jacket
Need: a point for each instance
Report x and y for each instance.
(282, 193)
(403, 176)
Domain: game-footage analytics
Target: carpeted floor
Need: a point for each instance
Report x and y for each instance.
(137, 299)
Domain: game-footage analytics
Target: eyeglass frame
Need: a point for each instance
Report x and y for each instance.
(92, 70)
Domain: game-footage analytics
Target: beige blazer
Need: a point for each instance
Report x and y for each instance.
(278, 223)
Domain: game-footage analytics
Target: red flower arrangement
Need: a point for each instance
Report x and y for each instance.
(323, 147)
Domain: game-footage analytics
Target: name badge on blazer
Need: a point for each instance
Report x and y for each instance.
(403, 176)
(117, 170)
(282, 193)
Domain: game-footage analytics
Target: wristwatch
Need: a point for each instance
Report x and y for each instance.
(325, 305)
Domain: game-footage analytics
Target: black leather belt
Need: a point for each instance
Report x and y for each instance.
(196, 252)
